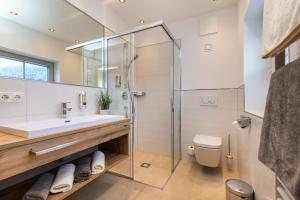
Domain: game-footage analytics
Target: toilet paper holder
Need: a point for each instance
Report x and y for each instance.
(244, 121)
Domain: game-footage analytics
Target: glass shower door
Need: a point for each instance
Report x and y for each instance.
(147, 63)
(176, 106)
(119, 79)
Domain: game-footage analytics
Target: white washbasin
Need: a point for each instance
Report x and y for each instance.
(33, 129)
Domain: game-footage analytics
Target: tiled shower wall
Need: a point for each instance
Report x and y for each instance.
(210, 120)
(43, 100)
(153, 75)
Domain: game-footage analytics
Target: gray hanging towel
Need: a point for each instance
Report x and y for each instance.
(280, 138)
(40, 189)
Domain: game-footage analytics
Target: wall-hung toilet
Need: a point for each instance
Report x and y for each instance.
(207, 150)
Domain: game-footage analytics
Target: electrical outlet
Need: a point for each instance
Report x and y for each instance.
(17, 97)
(11, 97)
(4, 97)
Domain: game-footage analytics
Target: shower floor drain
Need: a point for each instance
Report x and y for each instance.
(145, 165)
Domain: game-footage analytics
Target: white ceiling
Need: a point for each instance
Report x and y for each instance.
(39, 15)
(167, 10)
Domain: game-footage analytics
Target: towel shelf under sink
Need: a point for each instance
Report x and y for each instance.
(23, 157)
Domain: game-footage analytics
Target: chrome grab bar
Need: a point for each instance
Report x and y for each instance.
(52, 149)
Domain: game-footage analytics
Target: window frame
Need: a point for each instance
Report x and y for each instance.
(29, 60)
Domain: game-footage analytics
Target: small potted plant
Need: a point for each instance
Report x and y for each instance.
(104, 102)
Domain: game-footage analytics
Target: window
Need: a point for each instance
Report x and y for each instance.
(18, 66)
(286, 56)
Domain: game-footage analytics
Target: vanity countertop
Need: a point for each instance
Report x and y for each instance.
(9, 140)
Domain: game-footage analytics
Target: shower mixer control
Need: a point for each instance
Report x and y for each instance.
(124, 96)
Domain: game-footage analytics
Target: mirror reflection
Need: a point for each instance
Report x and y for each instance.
(50, 40)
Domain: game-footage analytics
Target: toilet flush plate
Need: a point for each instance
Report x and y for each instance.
(209, 100)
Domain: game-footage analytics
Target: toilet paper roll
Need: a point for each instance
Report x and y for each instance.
(191, 150)
(236, 125)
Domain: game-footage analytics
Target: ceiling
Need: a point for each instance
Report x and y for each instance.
(69, 23)
(167, 10)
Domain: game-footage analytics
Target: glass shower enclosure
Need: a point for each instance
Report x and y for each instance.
(144, 81)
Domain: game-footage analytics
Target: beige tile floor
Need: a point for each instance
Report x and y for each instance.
(156, 175)
(189, 182)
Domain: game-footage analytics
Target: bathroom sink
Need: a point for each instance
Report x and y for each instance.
(33, 129)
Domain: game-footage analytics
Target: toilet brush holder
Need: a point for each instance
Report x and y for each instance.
(229, 157)
(229, 161)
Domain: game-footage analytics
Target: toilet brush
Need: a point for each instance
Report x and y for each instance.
(229, 157)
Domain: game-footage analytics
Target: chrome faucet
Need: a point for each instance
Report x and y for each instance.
(65, 109)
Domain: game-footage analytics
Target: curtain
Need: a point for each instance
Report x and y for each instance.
(281, 25)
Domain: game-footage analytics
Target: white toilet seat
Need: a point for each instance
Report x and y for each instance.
(206, 141)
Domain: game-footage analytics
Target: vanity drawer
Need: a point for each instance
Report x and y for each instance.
(22, 158)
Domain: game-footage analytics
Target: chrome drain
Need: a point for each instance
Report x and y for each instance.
(146, 165)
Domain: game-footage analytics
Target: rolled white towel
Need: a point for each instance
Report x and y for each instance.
(98, 163)
(64, 178)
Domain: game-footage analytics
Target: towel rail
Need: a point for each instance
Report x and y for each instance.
(282, 193)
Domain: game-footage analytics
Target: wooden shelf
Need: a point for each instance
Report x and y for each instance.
(112, 159)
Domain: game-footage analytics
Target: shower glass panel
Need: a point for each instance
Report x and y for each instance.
(119, 78)
(153, 75)
(146, 63)
(177, 106)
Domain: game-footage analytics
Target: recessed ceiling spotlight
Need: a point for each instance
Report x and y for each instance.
(13, 13)
(51, 29)
(142, 21)
(122, 1)
(77, 41)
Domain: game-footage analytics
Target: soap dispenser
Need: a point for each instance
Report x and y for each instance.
(82, 100)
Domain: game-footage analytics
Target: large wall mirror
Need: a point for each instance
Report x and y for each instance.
(50, 40)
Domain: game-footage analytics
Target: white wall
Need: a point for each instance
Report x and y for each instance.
(28, 42)
(219, 68)
(294, 51)
(213, 70)
(43, 100)
(250, 168)
(209, 120)
(102, 13)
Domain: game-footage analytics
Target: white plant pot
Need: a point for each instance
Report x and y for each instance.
(104, 112)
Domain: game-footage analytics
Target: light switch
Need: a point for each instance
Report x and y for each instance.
(209, 100)
(208, 47)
